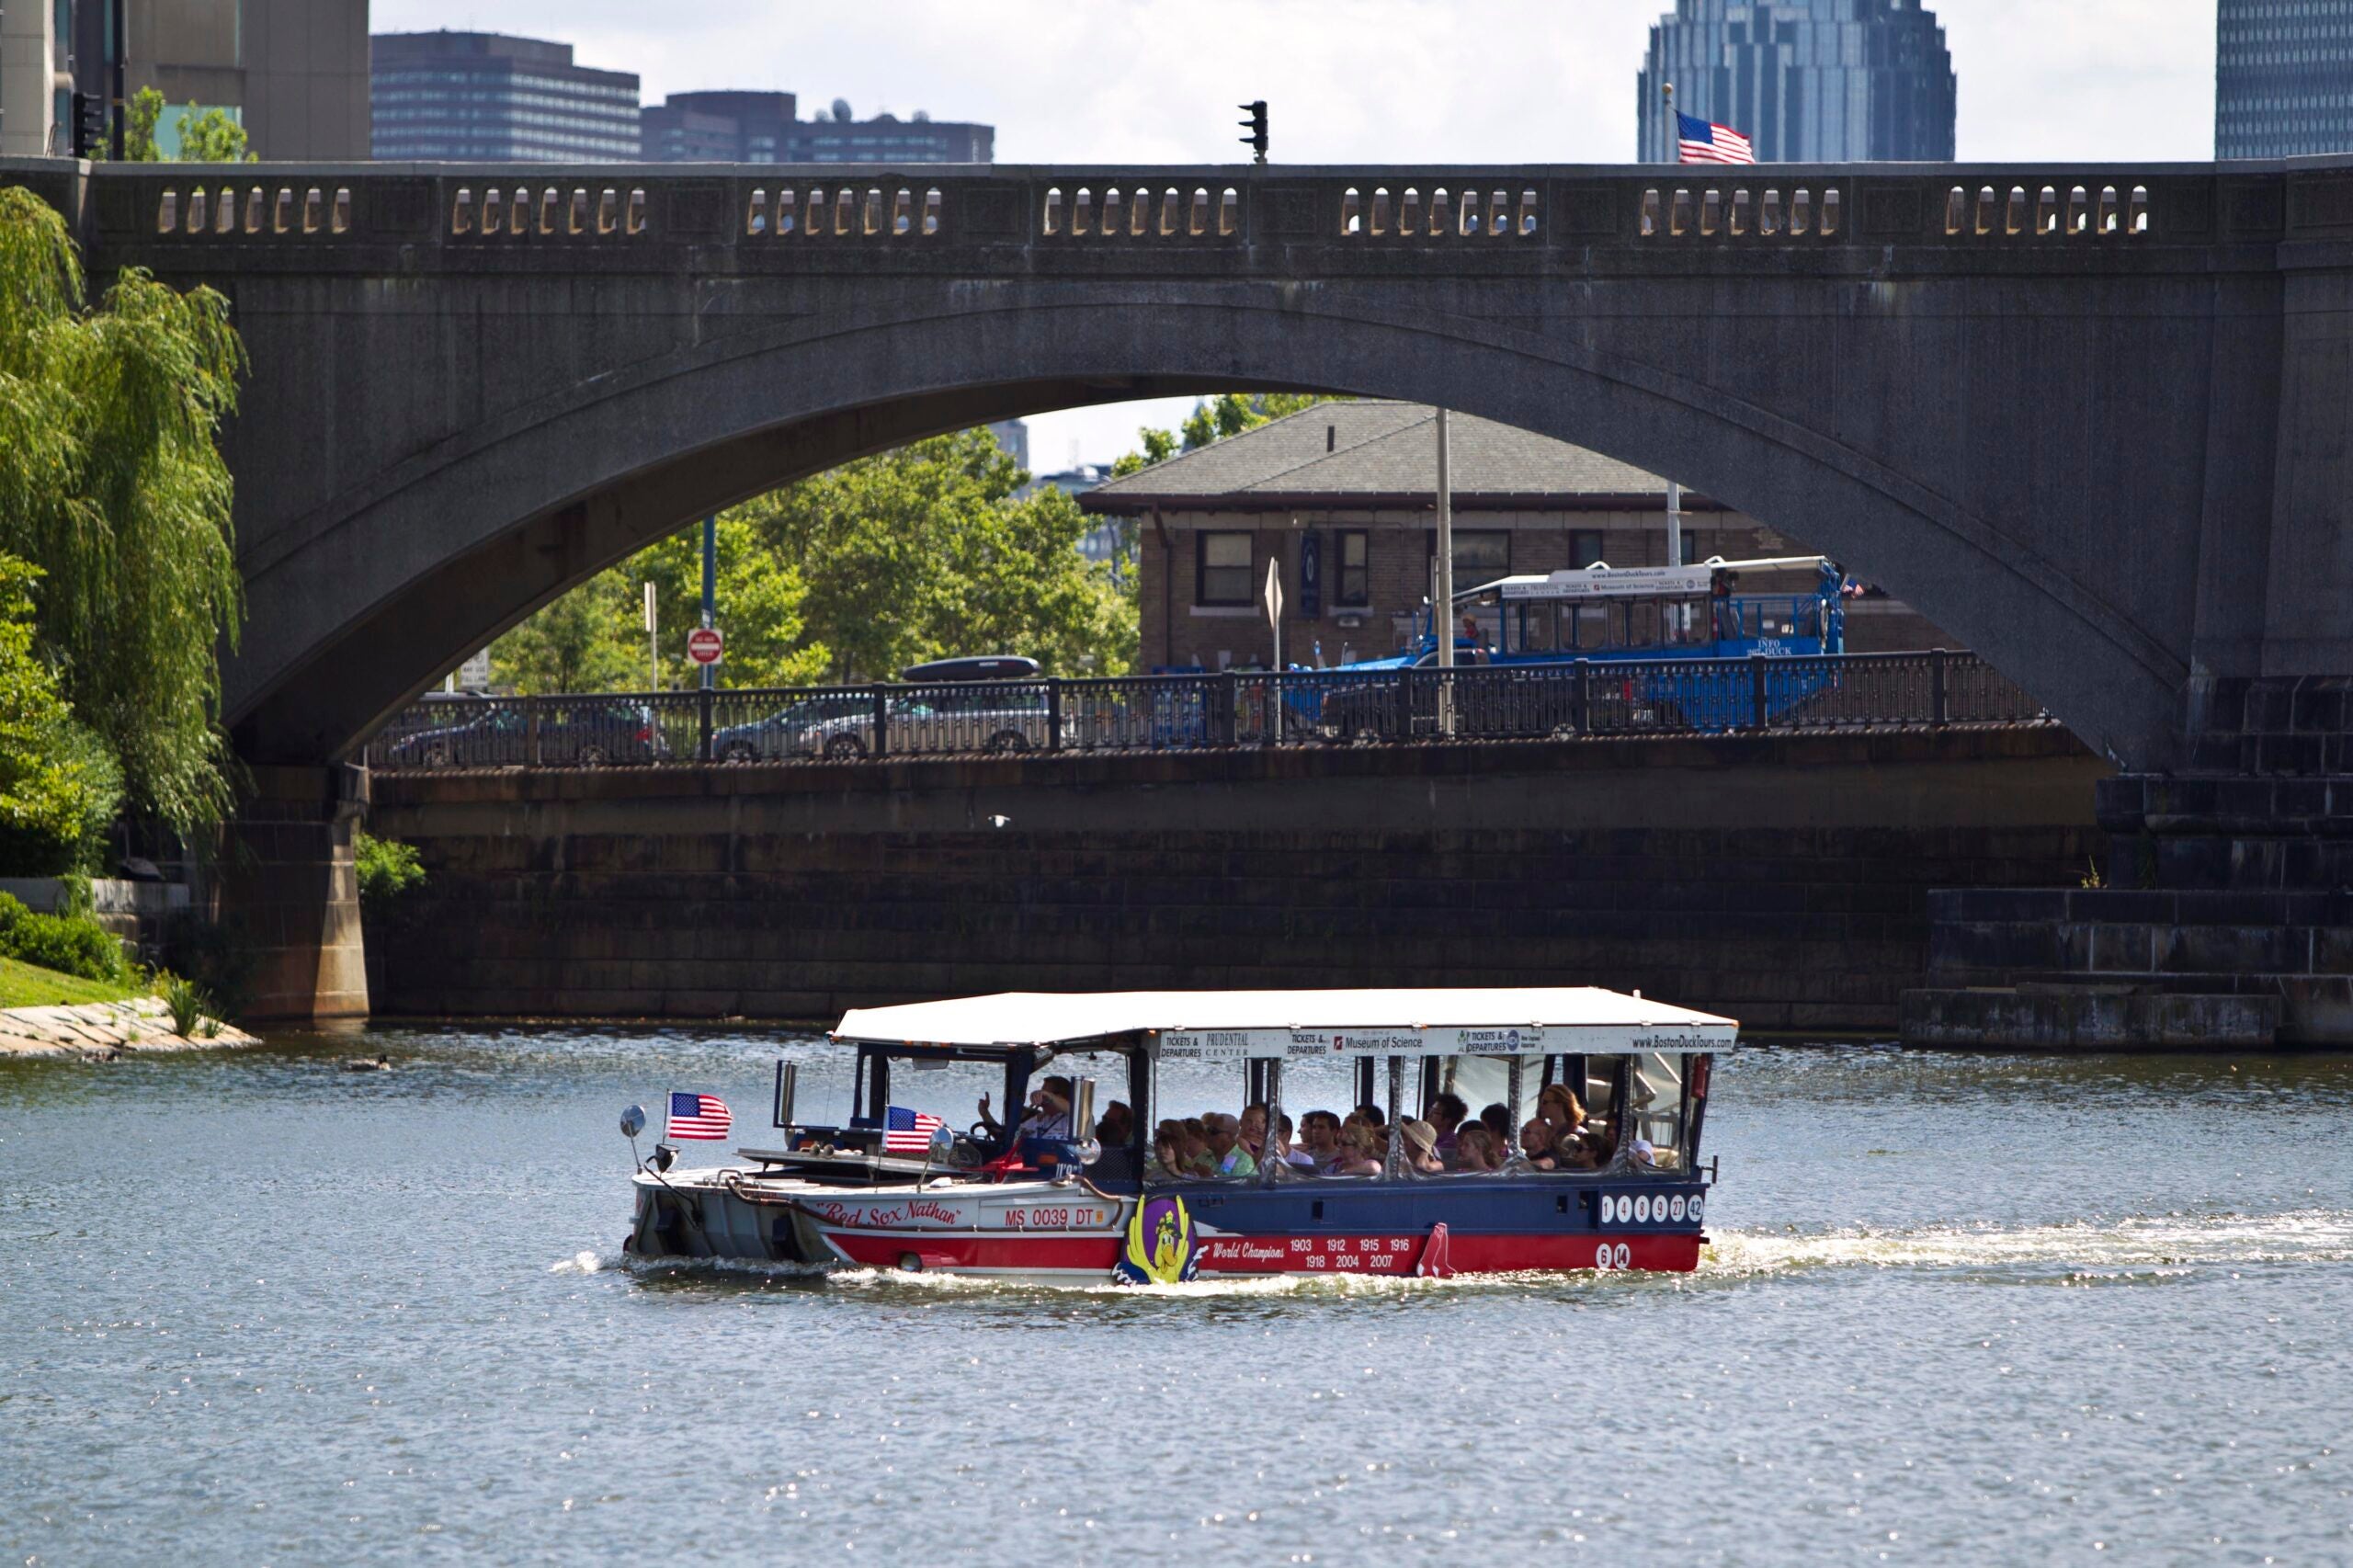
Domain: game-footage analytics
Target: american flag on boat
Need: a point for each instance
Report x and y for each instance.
(699, 1116)
(908, 1131)
(1698, 142)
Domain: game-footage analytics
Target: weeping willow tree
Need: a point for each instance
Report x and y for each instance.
(111, 483)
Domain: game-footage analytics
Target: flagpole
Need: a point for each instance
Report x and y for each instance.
(1671, 151)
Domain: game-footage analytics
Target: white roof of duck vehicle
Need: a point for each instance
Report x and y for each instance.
(1211, 1025)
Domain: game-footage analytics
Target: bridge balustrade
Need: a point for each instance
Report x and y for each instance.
(1587, 700)
(1273, 215)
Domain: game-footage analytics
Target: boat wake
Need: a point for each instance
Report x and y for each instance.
(2140, 1248)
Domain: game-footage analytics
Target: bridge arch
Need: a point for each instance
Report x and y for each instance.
(361, 602)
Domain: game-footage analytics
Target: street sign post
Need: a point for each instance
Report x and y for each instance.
(705, 645)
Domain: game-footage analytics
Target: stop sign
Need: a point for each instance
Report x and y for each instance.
(704, 645)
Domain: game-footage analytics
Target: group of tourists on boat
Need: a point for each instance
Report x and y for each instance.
(1218, 1146)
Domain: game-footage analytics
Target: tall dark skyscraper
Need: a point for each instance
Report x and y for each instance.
(462, 96)
(1807, 81)
(2283, 77)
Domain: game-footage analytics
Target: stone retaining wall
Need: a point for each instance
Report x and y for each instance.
(1783, 879)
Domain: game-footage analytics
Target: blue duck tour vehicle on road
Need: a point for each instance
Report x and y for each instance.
(1253, 1132)
(1651, 643)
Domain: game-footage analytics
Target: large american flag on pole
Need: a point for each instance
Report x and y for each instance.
(908, 1131)
(1698, 142)
(699, 1116)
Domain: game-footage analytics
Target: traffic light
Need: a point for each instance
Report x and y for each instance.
(89, 126)
(1256, 126)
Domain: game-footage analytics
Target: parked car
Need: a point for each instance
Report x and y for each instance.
(983, 718)
(584, 732)
(794, 729)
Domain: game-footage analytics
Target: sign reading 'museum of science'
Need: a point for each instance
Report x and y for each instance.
(1236, 1045)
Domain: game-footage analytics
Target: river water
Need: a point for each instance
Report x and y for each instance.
(257, 1308)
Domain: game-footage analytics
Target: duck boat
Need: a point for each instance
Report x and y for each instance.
(1055, 1198)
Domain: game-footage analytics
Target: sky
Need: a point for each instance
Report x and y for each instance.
(1376, 81)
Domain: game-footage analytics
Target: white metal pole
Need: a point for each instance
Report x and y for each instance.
(1442, 612)
(653, 642)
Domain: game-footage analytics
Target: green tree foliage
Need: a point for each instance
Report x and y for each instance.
(593, 638)
(111, 483)
(70, 944)
(589, 639)
(386, 868)
(207, 136)
(919, 553)
(761, 598)
(925, 552)
(59, 784)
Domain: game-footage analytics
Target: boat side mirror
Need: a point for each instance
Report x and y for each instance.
(632, 1121)
(943, 1143)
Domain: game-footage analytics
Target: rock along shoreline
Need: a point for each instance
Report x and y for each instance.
(103, 1030)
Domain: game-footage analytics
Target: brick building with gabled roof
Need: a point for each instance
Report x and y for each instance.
(1342, 496)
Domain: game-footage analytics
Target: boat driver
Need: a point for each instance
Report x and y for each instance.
(1046, 1118)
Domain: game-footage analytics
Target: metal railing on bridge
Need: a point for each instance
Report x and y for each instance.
(1584, 698)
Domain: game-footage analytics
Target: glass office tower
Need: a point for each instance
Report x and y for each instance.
(445, 96)
(1806, 81)
(2283, 77)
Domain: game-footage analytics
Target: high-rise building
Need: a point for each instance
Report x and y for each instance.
(719, 127)
(36, 79)
(760, 127)
(2283, 77)
(838, 138)
(1807, 81)
(445, 96)
(293, 72)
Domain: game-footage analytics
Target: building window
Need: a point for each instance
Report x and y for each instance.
(1481, 555)
(1353, 587)
(1222, 568)
(1585, 546)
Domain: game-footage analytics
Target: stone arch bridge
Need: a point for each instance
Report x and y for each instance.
(2093, 420)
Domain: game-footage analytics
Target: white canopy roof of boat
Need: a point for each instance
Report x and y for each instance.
(1222, 1024)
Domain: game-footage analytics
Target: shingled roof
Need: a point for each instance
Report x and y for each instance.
(1377, 453)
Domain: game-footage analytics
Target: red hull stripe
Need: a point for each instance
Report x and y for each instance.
(1273, 1255)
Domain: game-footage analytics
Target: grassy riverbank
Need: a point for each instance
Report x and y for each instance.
(30, 986)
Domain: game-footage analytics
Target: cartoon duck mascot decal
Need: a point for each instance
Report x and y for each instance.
(1162, 1247)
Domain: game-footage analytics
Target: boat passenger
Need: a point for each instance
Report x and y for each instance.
(1048, 1115)
(1253, 1129)
(1291, 1155)
(1358, 1154)
(1372, 1115)
(1421, 1148)
(1197, 1146)
(1575, 1151)
(1536, 1145)
(1116, 1128)
(1558, 1105)
(1229, 1159)
(1167, 1152)
(1446, 1114)
(1319, 1139)
(1475, 1149)
(1496, 1117)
